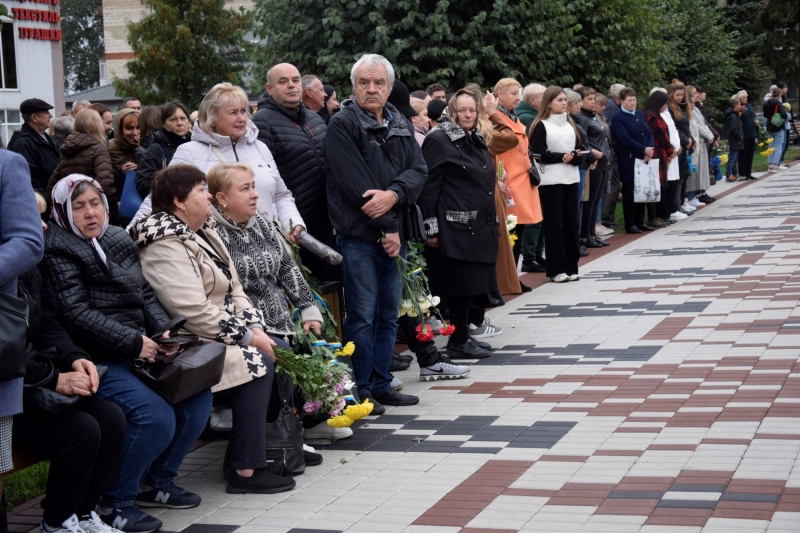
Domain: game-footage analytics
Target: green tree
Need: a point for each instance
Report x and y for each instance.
(742, 24)
(183, 48)
(780, 22)
(82, 45)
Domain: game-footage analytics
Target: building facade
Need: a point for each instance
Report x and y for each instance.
(117, 14)
(31, 64)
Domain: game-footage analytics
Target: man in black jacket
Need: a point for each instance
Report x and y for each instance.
(375, 171)
(294, 135)
(32, 143)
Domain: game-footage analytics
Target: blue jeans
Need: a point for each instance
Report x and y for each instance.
(373, 288)
(776, 156)
(731, 168)
(158, 436)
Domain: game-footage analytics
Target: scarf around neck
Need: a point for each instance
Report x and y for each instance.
(62, 208)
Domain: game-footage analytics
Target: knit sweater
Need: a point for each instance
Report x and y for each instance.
(267, 271)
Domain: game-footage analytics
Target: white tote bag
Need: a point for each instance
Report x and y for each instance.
(646, 185)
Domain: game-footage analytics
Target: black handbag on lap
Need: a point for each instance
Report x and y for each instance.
(34, 396)
(13, 336)
(286, 434)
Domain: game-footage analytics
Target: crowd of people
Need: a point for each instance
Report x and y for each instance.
(227, 193)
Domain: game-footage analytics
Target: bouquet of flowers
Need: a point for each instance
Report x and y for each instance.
(511, 223)
(417, 299)
(764, 138)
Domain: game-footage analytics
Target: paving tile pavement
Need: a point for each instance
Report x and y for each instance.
(661, 393)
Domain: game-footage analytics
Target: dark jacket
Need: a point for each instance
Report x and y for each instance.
(597, 136)
(44, 332)
(105, 308)
(526, 114)
(749, 127)
(295, 139)
(161, 146)
(458, 199)
(85, 154)
(583, 141)
(362, 154)
(612, 108)
(631, 136)
(733, 121)
(773, 106)
(663, 146)
(681, 119)
(41, 153)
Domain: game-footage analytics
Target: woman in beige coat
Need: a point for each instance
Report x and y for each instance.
(186, 263)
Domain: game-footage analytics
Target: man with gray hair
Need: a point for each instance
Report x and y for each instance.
(77, 106)
(62, 127)
(375, 172)
(611, 194)
(313, 93)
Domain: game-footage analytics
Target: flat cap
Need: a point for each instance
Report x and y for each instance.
(33, 105)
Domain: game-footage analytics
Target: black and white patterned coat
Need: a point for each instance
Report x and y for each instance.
(192, 275)
(267, 271)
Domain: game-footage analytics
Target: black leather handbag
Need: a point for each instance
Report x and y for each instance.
(195, 368)
(34, 396)
(13, 336)
(414, 224)
(533, 172)
(285, 435)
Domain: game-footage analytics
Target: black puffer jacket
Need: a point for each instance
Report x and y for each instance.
(295, 140)
(161, 146)
(105, 308)
(362, 154)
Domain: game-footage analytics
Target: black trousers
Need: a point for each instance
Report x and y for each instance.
(746, 158)
(597, 181)
(425, 351)
(633, 212)
(561, 242)
(668, 203)
(610, 195)
(459, 317)
(83, 447)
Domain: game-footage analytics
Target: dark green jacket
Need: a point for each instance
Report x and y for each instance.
(748, 122)
(526, 113)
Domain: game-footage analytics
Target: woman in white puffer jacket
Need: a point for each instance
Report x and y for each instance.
(224, 132)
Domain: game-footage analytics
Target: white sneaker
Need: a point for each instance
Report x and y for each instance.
(677, 215)
(783, 166)
(93, 524)
(221, 419)
(70, 525)
(694, 202)
(602, 231)
(442, 370)
(435, 324)
(575, 277)
(396, 384)
(560, 278)
(486, 330)
(325, 432)
(688, 207)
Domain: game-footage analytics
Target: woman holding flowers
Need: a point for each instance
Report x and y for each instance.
(458, 205)
(193, 275)
(775, 127)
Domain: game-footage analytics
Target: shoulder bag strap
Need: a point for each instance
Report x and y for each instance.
(219, 154)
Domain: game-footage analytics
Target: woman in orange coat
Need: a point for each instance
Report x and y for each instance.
(510, 145)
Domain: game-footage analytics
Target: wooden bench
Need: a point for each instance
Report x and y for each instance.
(22, 459)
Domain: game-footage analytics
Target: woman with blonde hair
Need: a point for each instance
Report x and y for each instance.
(225, 133)
(85, 152)
(420, 122)
(509, 145)
(681, 114)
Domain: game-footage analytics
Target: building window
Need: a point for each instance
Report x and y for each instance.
(8, 57)
(10, 121)
(103, 72)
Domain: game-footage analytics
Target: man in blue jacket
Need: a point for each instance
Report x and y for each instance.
(375, 171)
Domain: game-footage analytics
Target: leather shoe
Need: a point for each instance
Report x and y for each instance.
(401, 357)
(524, 288)
(583, 252)
(392, 397)
(601, 242)
(377, 408)
(633, 229)
(398, 365)
(532, 266)
(480, 344)
(541, 260)
(468, 350)
(645, 227)
(591, 243)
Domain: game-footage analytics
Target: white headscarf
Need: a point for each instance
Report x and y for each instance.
(62, 208)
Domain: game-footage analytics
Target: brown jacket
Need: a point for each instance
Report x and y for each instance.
(84, 154)
(195, 277)
(121, 153)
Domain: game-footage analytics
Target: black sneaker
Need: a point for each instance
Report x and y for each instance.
(261, 482)
(392, 397)
(706, 199)
(485, 345)
(377, 408)
(583, 252)
(404, 358)
(532, 266)
(397, 365)
(131, 520)
(542, 261)
(468, 350)
(312, 458)
(171, 497)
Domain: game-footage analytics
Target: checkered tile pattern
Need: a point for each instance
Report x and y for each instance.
(661, 393)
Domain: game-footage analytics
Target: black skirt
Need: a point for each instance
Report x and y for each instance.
(453, 277)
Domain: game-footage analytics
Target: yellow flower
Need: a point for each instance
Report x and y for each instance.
(761, 144)
(770, 140)
(347, 350)
(340, 421)
(357, 412)
(723, 159)
(513, 238)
